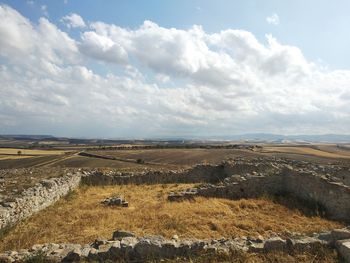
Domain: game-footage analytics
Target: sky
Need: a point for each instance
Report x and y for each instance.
(150, 69)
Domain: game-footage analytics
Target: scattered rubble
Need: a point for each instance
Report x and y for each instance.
(115, 201)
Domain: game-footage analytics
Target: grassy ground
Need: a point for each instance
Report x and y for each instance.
(80, 218)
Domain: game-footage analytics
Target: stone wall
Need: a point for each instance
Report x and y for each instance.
(197, 174)
(37, 198)
(129, 248)
(332, 197)
(236, 179)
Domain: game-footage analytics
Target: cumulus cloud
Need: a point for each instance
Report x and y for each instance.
(273, 19)
(74, 21)
(161, 81)
(102, 48)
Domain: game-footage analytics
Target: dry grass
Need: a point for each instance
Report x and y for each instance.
(10, 157)
(80, 218)
(14, 151)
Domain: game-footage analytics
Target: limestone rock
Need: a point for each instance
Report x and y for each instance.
(305, 243)
(6, 259)
(73, 256)
(115, 201)
(120, 234)
(340, 234)
(275, 244)
(343, 247)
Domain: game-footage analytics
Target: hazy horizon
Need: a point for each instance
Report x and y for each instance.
(174, 69)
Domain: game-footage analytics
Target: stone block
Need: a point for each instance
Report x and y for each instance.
(340, 234)
(343, 247)
(275, 244)
(120, 234)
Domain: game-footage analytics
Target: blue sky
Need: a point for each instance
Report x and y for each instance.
(171, 68)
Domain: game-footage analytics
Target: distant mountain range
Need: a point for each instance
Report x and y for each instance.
(250, 137)
(293, 138)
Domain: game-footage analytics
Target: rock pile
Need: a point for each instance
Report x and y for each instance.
(183, 195)
(115, 201)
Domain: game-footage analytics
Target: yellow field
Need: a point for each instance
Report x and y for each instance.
(14, 151)
(80, 218)
(8, 157)
(303, 151)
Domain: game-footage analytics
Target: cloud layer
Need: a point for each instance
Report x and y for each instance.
(154, 81)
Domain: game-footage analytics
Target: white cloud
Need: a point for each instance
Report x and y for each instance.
(273, 19)
(74, 21)
(102, 48)
(161, 81)
(44, 10)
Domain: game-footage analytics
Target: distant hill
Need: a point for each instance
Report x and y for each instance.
(250, 137)
(335, 138)
(25, 137)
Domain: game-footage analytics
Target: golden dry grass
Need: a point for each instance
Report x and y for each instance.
(10, 157)
(14, 151)
(80, 218)
(304, 151)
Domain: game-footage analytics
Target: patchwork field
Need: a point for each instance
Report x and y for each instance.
(173, 158)
(81, 218)
(184, 157)
(318, 151)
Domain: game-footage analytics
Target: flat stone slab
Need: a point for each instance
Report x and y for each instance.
(115, 201)
(343, 247)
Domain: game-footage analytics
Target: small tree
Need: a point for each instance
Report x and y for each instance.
(19, 152)
(140, 160)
